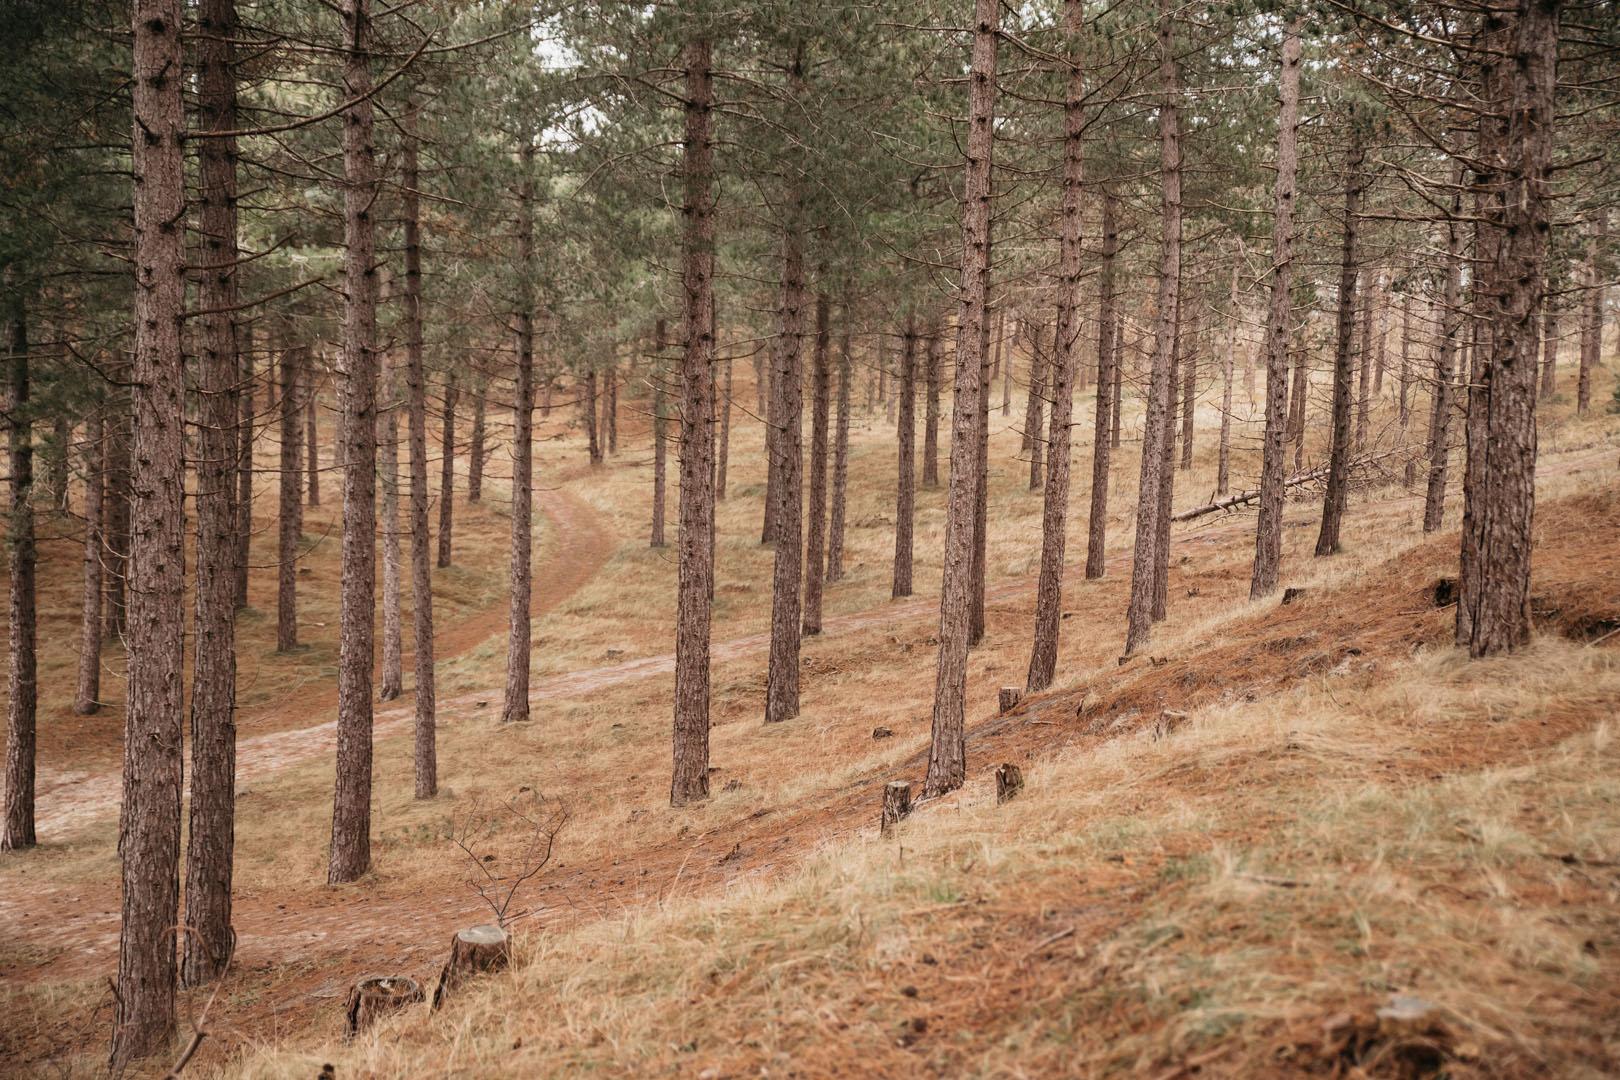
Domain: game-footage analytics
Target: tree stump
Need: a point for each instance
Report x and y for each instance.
(473, 951)
(1290, 595)
(1010, 697)
(375, 997)
(1009, 782)
(896, 805)
(882, 733)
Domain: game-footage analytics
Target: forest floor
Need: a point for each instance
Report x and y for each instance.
(1231, 849)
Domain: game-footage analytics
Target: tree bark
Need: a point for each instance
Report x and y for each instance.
(392, 682)
(208, 941)
(905, 501)
(1107, 331)
(1549, 351)
(1157, 431)
(149, 819)
(1451, 318)
(931, 378)
(116, 507)
(1032, 404)
(820, 407)
(1592, 324)
(447, 471)
(22, 686)
(1161, 545)
(981, 487)
(515, 708)
(312, 447)
(475, 452)
(1493, 613)
(87, 697)
(695, 577)
(947, 752)
(723, 451)
(1189, 392)
(244, 467)
(840, 481)
(357, 609)
(1066, 361)
(425, 765)
(593, 432)
(782, 673)
(290, 512)
(1364, 362)
(660, 439)
(610, 408)
(1404, 401)
(1223, 461)
(1268, 528)
(1333, 501)
(476, 950)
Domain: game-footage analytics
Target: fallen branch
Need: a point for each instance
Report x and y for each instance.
(1243, 498)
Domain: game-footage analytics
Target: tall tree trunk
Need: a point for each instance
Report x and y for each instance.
(1161, 547)
(820, 407)
(979, 567)
(1501, 506)
(1549, 350)
(357, 608)
(447, 471)
(1157, 430)
(1032, 404)
(392, 683)
(116, 507)
(1107, 332)
(1189, 392)
(1298, 403)
(1006, 367)
(774, 425)
(1592, 324)
(1223, 461)
(515, 708)
(905, 501)
(782, 673)
(1365, 361)
(947, 752)
(610, 408)
(1268, 529)
(87, 697)
(22, 700)
(694, 589)
(1338, 480)
(931, 379)
(593, 431)
(1066, 360)
(244, 466)
(208, 940)
(1404, 401)
(149, 819)
(312, 446)
(425, 761)
(1451, 321)
(660, 427)
(475, 452)
(840, 482)
(723, 451)
(61, 445)
(290, 512)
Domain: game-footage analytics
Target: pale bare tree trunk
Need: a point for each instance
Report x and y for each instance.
(694, 589)
(208, 941)
(1107, 356)
(820, 407)
(931, 378)
(87, 697)
(149, 819)
(290, 511)
(947, 752)
(425, 763)
(905, 503)
(660, 439)
(475, 452)
(840, 482)
(1157, 429)
(392, 682)
(782, 673)
(447, 471)
(1451, 318)
(357, 609)
(1066, 360)
(1268, 529)
(515, 708)
(22, 686)
(1493, 613)
(1333, 501)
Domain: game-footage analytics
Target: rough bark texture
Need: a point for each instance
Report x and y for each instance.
(947, 752)
(1364, 361)
(116, 508)
(820, 408)
(593, 433)
(1032, 404)
(610, 408)
(208, 940)
(1157, 430)
(1451, 319)
(87, 696)
(695, 576)
(447, 471)
(981, 485)
(840, 481)
(149, 819)
(1189, 394)
(1493, 611)
(1333, 500)
(723, 450)
(1167, 483)
(1268, 528)
(312, 446)
(357, 605)
(475, 449)
(515, 707)
(391, 682)
(1592, 322)
(1223, 461)
(425, 736)
(290, 512)
(22, 689)
(931, 376)
(1404, 400)
(1054, 519)
(244, 466)
(660, 426)
(476, 950)
(1107, 331)
(782, 673)
(1549, 351)
(905, 500)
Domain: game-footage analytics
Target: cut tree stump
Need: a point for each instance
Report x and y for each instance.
(375, 997)
(1291, 594)
(1009, 782)
(473, 951)
(896, 805)
(882, 733)
(1010, 697)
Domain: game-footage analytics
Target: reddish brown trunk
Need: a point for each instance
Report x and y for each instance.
(1451, 318)
(905, 504)
(931, 375)
(1107, 355)
(1549, 350)
(312, 447)
(475, 451)
(660, 427)
(840, 483)
(1161, 544)
(515, 708)
(87, 698)
(610, 408)
(425, 737)
(782, 674)
(1592, 322)
(1338, 480)
(447, 471)
(820, 406)
(593, 436)
(22, 701)
(1189, 393)
(244, 468)
(392, 677)
(723, 451)
(290, 513)
(115, 505)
